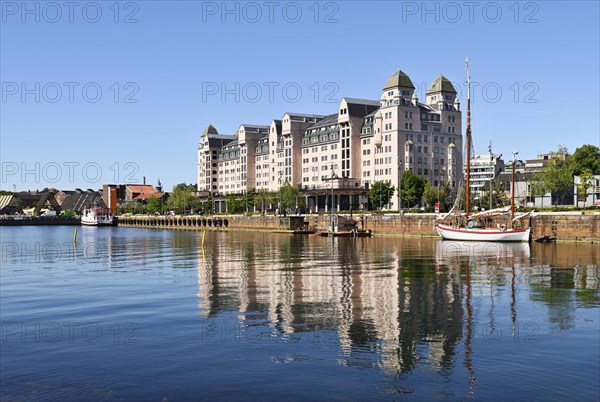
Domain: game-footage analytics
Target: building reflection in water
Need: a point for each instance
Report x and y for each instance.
(406, 302)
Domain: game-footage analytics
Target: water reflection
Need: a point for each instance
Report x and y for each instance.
(431, 318)
(386, 297)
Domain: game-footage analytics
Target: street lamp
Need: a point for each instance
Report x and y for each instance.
(400, 170)
(279, 205)
(388, 198)
(333, 176)
(407, 148)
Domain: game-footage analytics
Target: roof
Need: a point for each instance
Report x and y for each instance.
(254, 126)
(398, 79)
(231, 144)
(5, 200)
(519, 176)
(79, 201)
(218, 142)
(141, 188)
(361, 107)
(361, 101)
(326, 121)
(277, 126)
(441, 84)
(209, 130)
(372, 113)
(318, 116)
(147, 196)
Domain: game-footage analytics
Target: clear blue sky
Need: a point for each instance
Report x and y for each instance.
(173, 58)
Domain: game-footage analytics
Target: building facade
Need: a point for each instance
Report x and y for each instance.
(209, 148)
(592, 194)
(334, 159)
(484, 169)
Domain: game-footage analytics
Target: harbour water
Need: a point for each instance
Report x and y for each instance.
(137, 314)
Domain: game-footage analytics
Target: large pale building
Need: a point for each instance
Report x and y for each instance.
(334, 159)
(209, 148)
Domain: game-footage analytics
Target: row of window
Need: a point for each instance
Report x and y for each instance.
(383, 172)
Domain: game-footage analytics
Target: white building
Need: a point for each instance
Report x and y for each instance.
(593, 192)
(484, 169)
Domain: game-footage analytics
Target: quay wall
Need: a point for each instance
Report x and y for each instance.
(566, 226)
(40, 221)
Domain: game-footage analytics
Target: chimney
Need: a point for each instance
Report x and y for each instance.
(144, 180)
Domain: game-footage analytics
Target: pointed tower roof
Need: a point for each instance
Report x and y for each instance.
(209, 130)
(441, 84)
(398, 79)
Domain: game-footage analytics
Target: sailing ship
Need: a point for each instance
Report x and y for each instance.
(472, 230)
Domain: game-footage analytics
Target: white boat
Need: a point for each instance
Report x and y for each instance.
(448, 232)
(96, 217)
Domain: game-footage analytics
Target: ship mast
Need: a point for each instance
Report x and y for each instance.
(468, 181)
(512, 188)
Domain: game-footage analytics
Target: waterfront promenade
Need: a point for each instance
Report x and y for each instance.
(570, 226)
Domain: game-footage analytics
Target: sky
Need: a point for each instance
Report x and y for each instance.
(112, 92)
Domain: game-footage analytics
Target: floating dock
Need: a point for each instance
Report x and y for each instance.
(356, 233)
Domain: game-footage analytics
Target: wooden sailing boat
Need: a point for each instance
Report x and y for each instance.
(471, 231)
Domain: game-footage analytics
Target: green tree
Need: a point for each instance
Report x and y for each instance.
(499, 197)
(68, 213)
(538, 189)
(183, 198)
(557, 177)
(412, 188)
(288, 196)
(584, 184)
(380, 193)
(233, 205)
(585, 157)
(207, 205)
(138, 208)
(247, 201)
(443, 194)
(262, 198)
(154, 204)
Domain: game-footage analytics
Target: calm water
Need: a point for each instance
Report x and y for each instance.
(148, 315)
